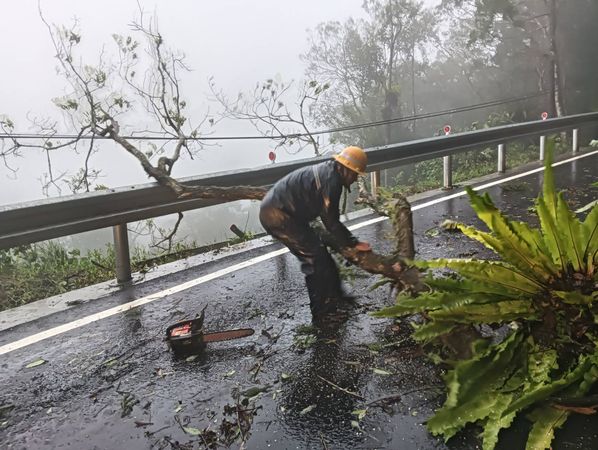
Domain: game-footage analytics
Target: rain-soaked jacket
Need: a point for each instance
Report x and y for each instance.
(312, 192)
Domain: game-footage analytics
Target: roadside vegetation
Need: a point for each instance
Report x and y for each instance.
(36, 271)
(529, 321)
(427, 175)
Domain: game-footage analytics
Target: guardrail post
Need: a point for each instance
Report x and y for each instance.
(574, 141)
(542, 147)
(375, 182)
(447, 171)
(122, 256)
(501, 160)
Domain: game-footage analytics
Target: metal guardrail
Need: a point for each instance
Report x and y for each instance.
(30, 222)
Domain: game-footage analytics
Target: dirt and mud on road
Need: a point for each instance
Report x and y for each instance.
(356, 384)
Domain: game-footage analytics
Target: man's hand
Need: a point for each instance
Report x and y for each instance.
(363, 247)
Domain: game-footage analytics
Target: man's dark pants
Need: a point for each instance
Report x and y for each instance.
(321, 273)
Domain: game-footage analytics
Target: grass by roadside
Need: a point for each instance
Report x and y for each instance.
(32, 272)
(428, 175)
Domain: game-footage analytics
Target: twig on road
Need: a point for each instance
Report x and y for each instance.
(336, 386)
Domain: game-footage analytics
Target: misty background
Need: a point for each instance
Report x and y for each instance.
(380, 61)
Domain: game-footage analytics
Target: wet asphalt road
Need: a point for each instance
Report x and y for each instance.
(114, 383)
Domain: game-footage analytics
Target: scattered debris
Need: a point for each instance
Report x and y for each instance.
(303, 342)
(346, 391)
(360, 413)
(432, 232)
(381, 371)
(254, 391)
(37, 362)
(140, 424)
(5, 409)
(307, 410)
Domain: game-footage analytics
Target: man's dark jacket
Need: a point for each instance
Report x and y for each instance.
(312, 192)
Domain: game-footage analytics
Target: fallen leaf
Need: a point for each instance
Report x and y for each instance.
(192, 431)
(37, 362)
(191, 358)
(142, 424)
(306, 410)
(360, 413)
(432, 232)
(381, 372)
(285, 376)
(352, 363)
(230, 373)
(253, 391)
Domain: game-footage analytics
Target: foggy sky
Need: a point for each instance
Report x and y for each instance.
(238, 42)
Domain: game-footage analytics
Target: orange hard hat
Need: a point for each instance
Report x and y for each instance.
(353, 158)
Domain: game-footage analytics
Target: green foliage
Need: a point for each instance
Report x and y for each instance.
(36, 271)
(427, 175)
(542, 296)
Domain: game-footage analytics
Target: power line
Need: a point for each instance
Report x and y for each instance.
(287, 136)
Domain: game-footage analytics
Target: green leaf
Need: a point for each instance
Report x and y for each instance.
(505, 311)
(543, 391)
(548, 189)
(450, 420)
(432, 330)
(517, 245)
(574, 297)
(589, 230)
(540, 362)
(192, 431)
(381, 371)
(496, 422)
(473, 386)
(545, 421)
(570, 228)
(306, 410)
(37, 362)
(360, 413)
(483, 369)
(551, 235)
(254, 390)
(431, 301)
(495, 275)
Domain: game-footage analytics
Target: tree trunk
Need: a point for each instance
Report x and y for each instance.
(557, 82)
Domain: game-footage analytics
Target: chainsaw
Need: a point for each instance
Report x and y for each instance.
(188, 336)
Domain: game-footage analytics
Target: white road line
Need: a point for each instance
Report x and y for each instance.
(29, 340)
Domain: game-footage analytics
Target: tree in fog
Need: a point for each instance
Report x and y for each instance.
(120, 99)
(370, 64)
(529, 32)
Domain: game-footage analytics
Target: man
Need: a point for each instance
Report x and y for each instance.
(302, 196)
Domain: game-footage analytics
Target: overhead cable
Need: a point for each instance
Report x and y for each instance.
(284, 136)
